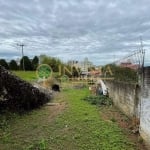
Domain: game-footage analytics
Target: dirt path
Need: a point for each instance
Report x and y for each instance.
(55, 109)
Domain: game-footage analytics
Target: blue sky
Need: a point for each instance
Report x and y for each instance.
(102, 30)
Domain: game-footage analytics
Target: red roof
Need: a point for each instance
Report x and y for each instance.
(129, 65)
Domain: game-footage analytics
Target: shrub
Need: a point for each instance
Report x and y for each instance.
(99, 100)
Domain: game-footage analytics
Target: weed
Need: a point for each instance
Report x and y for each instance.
(41, 145)
(98, 100)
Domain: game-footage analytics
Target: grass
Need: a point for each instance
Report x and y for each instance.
(78, 127)
(26, 75)
(29, 75)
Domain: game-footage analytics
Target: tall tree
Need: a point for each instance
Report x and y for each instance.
(13, 65)
(4, 63)
(35, 62)
(27, 63)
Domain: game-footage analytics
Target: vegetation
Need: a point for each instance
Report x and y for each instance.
(35, 62)
(98, 100)
(54, 63)
(79, 127)
(26, 75)
(59, 68)
(29, 65)
(25, 63)
(13, 65)
(120, 73)
(4, 63)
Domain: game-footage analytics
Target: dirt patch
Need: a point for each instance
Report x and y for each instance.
(56, 106)
(55, 109)
(129, 126)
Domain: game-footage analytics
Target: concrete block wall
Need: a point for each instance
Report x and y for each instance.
(124, 96)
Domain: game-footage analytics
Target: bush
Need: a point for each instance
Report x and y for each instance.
(4, 63)
(120, 73)
(99, 100)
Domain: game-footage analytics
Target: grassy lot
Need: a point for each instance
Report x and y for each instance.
(29, 75)
(26, 75)
(73, 124)
(77, 127)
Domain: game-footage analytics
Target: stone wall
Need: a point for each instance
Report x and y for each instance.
(18, 94)
(125, 96)
(145, 107)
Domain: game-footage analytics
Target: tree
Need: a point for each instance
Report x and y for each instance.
(52, 62)
(35, 62)
(27, 63)
(13, 65)
(4, 63)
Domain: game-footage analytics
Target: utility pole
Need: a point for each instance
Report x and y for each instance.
(22, 45)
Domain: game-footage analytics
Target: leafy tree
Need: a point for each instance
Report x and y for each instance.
(4, 63)
(35, 62)
(27, 63)
(13, 65)
(54, 63)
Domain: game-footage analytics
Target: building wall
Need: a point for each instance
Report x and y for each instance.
(145, 107)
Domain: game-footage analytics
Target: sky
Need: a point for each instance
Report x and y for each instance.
(102, 30)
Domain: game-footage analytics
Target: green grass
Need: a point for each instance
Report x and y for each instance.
(29, 75)
(26, 75)
(79, 127)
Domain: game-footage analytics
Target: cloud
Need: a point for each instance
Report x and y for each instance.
(74, 29)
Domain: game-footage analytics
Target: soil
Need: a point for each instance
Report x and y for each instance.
(129, 126)
(55, 109)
